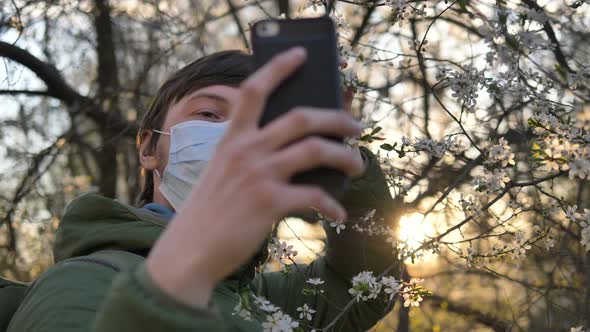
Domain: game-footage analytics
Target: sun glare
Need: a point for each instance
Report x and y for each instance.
(414, 231)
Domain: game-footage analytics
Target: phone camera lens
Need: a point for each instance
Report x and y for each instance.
(268, 29)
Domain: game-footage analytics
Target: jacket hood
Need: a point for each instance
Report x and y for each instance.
(93, 222)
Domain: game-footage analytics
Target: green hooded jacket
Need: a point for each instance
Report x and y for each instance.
(83, 295)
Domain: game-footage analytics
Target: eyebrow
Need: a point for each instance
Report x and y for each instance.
(210, 96)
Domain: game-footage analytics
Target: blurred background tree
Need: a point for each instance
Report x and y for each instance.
(479, 111)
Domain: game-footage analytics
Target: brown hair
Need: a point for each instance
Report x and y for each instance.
(223, 68)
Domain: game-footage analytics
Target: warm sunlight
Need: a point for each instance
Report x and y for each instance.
(306, 238)
(414, 231)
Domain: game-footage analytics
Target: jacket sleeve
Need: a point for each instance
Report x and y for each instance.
(347, 254)
(81, 296)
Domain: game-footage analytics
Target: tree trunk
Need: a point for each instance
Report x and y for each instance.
(108, 87)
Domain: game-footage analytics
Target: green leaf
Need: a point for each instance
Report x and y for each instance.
(463, 5)
(494, 88)
(375, 130)
(365, 138)
(387, 146)
(562, 71)
(306, 291)
(512, 42)
(522, 18)
(503, 18)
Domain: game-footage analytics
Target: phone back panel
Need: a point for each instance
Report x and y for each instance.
(316, 83)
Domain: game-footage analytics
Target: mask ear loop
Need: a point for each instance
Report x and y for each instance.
(163, 133)
(160, 132)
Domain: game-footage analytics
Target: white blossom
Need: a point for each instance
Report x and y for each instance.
(491, 182)
(536, 15)
(532, 40)
(369, 215)
(279, 322)
(396, 4)
(391, 286)
(314, 4)
(365, 286)
(315, 281)
(400, 11)
(338, 225)
(349, 78)
(579, 167)
(264, 304)
(521, 246)
(572, 214)
(305, 312)
(465, 85)
(412, 299)
(279, 249)
(470, 203)
(455, 145)
(549, 243)
(339, 20)
(242, 311)
(500, 153)
(434, 148)
(579, 79)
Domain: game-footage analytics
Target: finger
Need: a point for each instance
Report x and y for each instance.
(347, 98)
(315, 152)
(301, 197)
(302, 122)
(257, 88)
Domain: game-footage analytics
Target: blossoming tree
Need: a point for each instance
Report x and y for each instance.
(479, 111)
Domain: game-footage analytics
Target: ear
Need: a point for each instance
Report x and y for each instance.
(147, 153)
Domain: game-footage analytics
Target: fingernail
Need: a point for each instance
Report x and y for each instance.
(298, 51)
(358, 125)
(341, 217)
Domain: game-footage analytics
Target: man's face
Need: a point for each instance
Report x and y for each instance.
(213, 103)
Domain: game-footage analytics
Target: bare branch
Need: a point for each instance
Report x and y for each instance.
(56, 85)
(495, 323)
(58, 88)
(25, 92)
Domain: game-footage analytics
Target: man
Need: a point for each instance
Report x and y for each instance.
(203, 244)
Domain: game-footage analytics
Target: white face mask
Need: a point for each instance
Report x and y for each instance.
(192, 144)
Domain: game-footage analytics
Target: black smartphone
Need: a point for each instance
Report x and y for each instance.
(316, 83)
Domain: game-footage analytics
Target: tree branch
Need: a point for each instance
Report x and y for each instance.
(361, 29)
(559, 56)
(58, 88)
(486, 319)
(56, 85)
(284, 7)
(234, 14)
(25, 92)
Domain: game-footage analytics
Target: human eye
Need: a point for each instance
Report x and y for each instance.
(207, 113)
